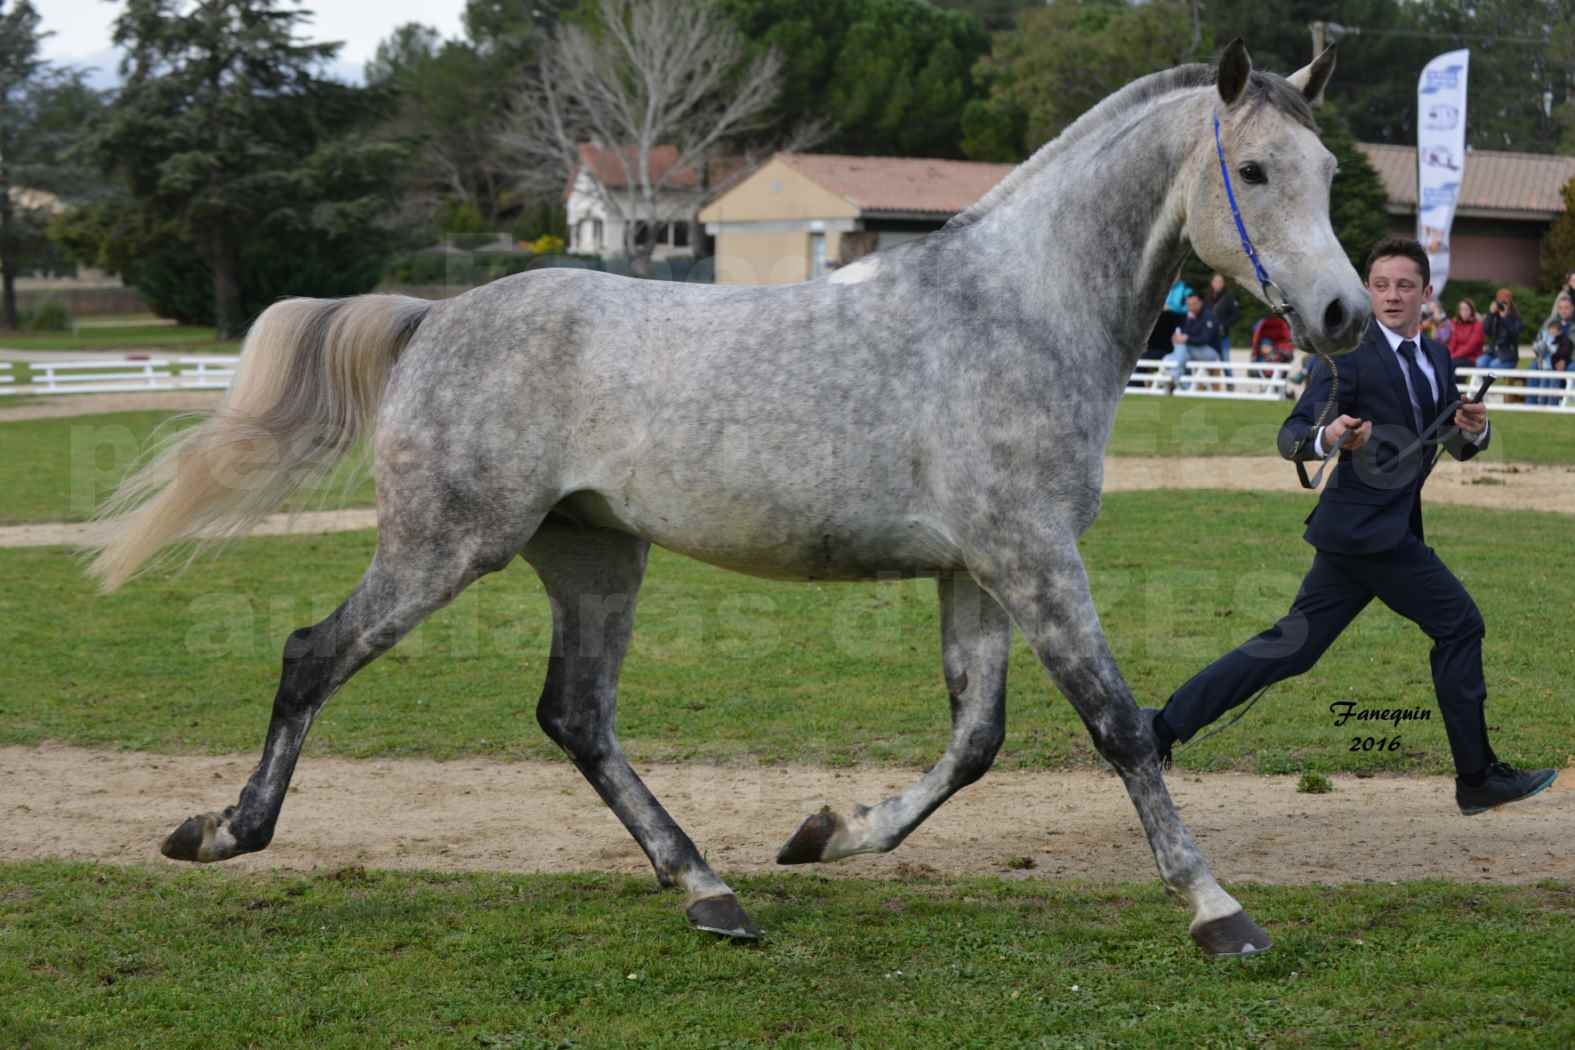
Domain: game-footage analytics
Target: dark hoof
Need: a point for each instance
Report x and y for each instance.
(1233, 935)
(808, 843)
(201, 839)
(723, 915)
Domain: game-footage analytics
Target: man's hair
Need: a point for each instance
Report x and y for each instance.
(1391, 247)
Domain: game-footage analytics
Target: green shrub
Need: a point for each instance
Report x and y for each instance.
(1314, 784)
(50, 315)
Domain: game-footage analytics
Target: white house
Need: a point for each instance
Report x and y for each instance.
(596, 226)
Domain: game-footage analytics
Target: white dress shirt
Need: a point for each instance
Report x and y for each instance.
(1426, 367)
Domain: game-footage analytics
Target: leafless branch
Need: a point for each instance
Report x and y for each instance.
(656, 73)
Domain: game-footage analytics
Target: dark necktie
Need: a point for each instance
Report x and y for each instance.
(1424, 392)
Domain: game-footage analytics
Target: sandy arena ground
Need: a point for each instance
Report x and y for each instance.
(538, 816)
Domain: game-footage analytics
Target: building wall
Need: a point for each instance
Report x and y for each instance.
(586, 206)
(774, 193)
(776, 257)
(1502, 251)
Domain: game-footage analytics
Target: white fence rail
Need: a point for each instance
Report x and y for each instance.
(118, 375)
(1515, 390)
(1238, 380)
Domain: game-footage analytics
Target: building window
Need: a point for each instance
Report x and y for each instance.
(596, 235)
(817, 254)
(680, 235)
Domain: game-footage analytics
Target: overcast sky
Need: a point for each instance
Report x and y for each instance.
(82, 28)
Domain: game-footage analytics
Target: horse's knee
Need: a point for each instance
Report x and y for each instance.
(578, 731)
(1123, 739)
(307, 669)
(977, 750)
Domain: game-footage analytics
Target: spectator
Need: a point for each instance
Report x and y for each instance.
(1561, 325)
(1568, 291)
(1159, 343)
(1222, 304)
(1195, 338)
(1271, 344)
(1444, 326)
(1465, 336)
(1501, 332)
(1435, 322)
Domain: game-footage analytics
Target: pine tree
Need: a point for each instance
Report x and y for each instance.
(1558, 245)
(230, 142)
(1357, 198)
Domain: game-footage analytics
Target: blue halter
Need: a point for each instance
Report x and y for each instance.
(1271, 291)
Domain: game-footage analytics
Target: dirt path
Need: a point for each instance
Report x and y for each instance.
(536, 816)
(56, 406)
(1479, 483)
(49, 534)
(1504, 486)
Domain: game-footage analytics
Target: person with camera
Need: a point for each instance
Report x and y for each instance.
(1501, 333)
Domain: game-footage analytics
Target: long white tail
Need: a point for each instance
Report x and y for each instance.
(311, 376)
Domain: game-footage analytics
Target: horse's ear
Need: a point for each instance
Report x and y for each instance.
(1235, 67)
(1311, 79)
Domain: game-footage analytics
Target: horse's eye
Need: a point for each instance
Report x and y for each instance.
(1253, 173)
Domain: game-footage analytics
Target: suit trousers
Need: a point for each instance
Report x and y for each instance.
(1411, 580)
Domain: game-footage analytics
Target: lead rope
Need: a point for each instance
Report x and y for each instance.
(1278, 303)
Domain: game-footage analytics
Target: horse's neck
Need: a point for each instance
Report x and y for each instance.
(1103, 223)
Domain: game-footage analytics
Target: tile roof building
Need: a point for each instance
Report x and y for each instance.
(803, 213)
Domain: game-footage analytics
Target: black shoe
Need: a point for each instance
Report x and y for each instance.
(1504, 783)
(1161, 745)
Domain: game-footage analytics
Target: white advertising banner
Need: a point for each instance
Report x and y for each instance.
(1440, 155)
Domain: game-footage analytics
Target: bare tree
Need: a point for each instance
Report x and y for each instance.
(649, 74)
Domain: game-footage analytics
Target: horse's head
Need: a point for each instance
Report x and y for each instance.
(1279, 174)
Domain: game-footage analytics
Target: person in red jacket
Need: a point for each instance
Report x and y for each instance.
(1466, 337)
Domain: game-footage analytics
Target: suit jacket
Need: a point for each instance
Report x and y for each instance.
(1374, 495)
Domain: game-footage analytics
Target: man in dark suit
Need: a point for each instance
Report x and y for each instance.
(1367, 529)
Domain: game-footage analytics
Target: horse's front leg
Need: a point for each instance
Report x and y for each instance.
(1044, 588)
(976, 639)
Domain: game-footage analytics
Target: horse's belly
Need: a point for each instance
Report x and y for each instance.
(772, 543)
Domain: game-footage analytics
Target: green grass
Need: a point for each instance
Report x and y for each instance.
(123, 337)
(123, 958)
(59, 469)
(1180, 426)
(729, 668)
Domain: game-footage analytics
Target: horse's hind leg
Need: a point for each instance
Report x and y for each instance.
(1045, 589)
(592, 577)
(976, 638)
(319, 659)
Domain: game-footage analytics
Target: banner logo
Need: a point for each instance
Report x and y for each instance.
(1441, 116)
(1445, 79)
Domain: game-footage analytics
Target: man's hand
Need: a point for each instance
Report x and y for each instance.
(1471, 417)
(1178, 337)
(1347, 432)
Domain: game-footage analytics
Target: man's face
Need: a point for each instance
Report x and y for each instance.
(1397, 292)
(1566, 309)
(1194, 304)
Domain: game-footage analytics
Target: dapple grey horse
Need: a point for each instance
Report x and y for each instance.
(940, 409)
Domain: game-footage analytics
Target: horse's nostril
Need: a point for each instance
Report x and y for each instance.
(1333, 317)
